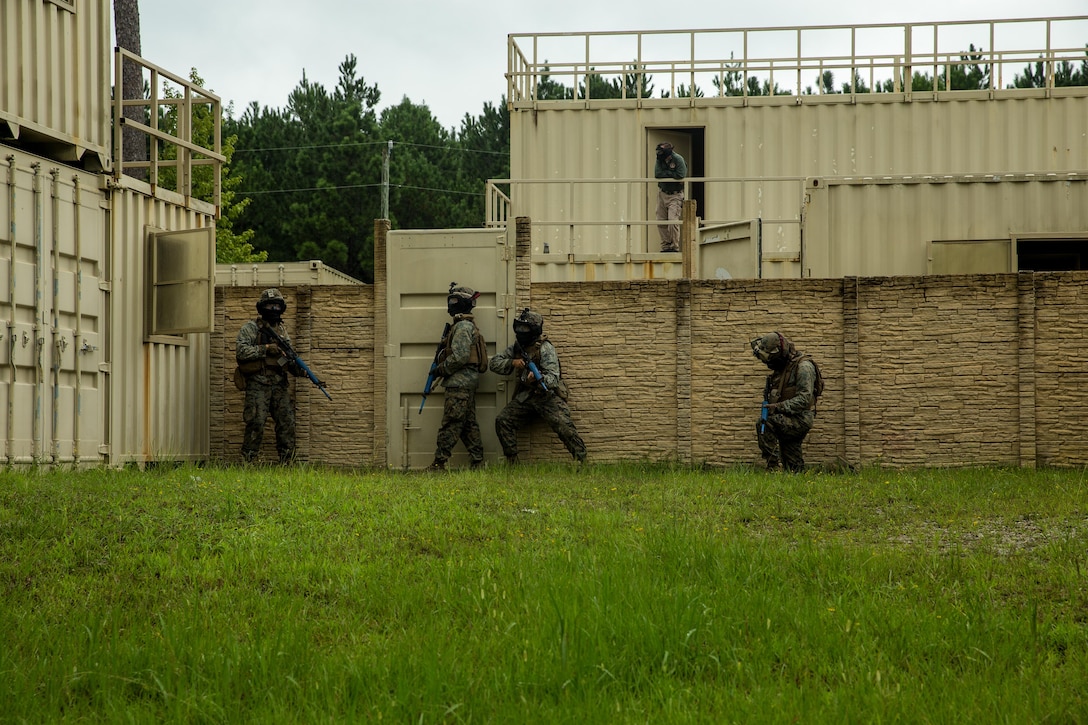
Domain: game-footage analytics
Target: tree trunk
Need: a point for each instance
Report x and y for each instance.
(126, 20)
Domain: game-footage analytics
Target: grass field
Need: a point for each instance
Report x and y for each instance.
(544, 594)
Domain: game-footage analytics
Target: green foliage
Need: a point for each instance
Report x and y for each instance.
(314, 170)
(1065, 74)
(613, 593)
(634, 83)
(230, 246)
(551, 90)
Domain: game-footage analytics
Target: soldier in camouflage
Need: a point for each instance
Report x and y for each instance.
(534, 398)
(790, 395)
(265, 369)
(461, 361)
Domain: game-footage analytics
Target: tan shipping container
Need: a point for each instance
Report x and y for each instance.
(86, 381)
(55, 78)
(581, 168)
(159, 406)
(951, 224)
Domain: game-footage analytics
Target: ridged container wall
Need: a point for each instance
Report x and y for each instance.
(159, 407)
(757, 156)
(55, 77)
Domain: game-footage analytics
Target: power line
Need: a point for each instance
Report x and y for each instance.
(355, 186)
(370, 143)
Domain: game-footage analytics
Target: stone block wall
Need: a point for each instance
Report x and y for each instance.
(332, 329)
(919, 371)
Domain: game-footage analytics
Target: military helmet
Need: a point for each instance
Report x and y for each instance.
(766, 347)
(271, 298)
(529, 322)
(461, 292)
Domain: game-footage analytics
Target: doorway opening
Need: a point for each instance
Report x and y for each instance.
(1052, 254)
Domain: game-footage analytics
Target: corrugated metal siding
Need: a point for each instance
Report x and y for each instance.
(52, 312)
(757, 156)
(159, 405)
(879, 228)
(55, 74)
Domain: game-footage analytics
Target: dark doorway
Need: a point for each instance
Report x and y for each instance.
(697, 167)
(691, 144)
(1052, 255)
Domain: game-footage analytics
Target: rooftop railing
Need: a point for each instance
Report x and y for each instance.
(905, 58)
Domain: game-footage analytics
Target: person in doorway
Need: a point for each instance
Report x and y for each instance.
(540, 392)
(463, 358)
(264, 368)
(670, 194)
(789, 400)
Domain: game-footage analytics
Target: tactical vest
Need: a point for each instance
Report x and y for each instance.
(477, 354)
(533, 351)
(787, 387)
(252, 367)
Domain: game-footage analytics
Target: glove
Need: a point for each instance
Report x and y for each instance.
(272, 350)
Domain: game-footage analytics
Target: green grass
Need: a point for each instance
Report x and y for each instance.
(544, 594)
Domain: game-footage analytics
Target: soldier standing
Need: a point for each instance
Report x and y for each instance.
(541, 391)
(265, 368)
(790, 398)
(461, 361)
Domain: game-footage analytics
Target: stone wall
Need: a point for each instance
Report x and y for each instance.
(332, 329)
(920, 371)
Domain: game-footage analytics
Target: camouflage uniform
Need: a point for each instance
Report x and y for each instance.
(460, 380)
(790, 389)
(530, 401)
(267, 390)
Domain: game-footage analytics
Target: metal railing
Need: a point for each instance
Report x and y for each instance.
(634, 219)
(179, 142)
(778, 60)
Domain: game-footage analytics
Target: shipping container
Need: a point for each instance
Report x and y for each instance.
(55, 79)
(582, 166)
(90, 377)
(951, 224)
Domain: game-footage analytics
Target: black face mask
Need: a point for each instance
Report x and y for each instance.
(270, 314)
(777, 362)
(525, 339)
(458, 306)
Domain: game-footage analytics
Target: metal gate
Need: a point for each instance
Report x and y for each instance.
(420, 267)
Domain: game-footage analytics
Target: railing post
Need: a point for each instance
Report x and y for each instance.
(689, 226)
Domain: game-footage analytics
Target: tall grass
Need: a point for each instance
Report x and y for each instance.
(543, 594)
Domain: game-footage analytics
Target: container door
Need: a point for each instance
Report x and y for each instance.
(421, 266)
(52, 307)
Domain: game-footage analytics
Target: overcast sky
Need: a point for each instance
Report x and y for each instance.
(451, 54)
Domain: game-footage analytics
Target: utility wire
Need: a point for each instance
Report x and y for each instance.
(369, 143)
(356, 186)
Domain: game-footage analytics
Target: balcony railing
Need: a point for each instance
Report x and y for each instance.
(179, 129)
(793, 61)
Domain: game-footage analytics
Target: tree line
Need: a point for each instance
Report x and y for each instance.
(311, 173)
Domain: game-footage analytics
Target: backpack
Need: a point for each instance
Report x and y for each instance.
(818, 387)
